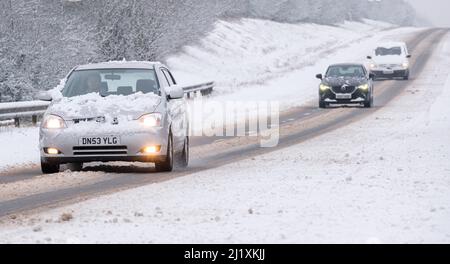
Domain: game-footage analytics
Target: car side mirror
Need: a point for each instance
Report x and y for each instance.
(319, 76)
(408, 56)
(175, 92)
(369, 57)
(371, 76)
(45, 96)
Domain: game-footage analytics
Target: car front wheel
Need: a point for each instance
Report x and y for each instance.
(167, 164)
(369, 103)
(49, 168)
(183, 157)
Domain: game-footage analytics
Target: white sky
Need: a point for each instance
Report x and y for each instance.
(436, 11)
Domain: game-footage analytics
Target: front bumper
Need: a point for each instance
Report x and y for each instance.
(66, 160)
(357, 97)
(129, 149)
(379, 73)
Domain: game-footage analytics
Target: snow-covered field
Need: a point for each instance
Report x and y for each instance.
(19, 147)
(389, 183)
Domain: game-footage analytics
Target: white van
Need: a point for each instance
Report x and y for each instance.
(390, 60)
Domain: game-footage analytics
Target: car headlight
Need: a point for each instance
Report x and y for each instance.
(324, 87)
(151, 120)
(405, 65)
(373, 65)
(364, 87)
(53, 122)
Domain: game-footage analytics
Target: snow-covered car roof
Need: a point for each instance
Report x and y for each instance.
(119, 65)
(347, 64)
(391, 44)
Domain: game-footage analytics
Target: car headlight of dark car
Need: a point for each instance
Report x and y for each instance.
(324, 87)
(364, 87)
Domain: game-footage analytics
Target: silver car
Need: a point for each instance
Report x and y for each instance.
(390, 60)
(115, 111)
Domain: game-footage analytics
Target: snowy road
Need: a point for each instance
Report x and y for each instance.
(386, 180)
(24, 189)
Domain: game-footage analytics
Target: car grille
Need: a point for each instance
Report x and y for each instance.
(343, 90)
(389, 65)
(100, 150)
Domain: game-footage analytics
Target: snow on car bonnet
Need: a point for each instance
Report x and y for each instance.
(114, 106)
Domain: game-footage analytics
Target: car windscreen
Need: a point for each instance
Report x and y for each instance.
(388, 51)
(111, 82)
(345, 71)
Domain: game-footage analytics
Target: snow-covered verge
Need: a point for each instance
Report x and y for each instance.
(253, 59)
(389, 183)
(19, 147)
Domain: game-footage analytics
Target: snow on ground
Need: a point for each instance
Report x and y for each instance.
(19, 147)
(253, 59)
(389, 183)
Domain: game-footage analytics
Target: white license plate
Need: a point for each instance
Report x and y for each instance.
(343, 96)
(100, 141)
(388, 72)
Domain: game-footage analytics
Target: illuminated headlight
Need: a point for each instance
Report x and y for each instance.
(364, 87)
(373, 66)
(151, 149)
(151, 120)
(53, 122)
(52, 151)
(324, 87)
(405, 65)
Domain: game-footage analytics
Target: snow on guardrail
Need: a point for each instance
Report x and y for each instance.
(18, 110)
(22, 105)
(204, 88)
